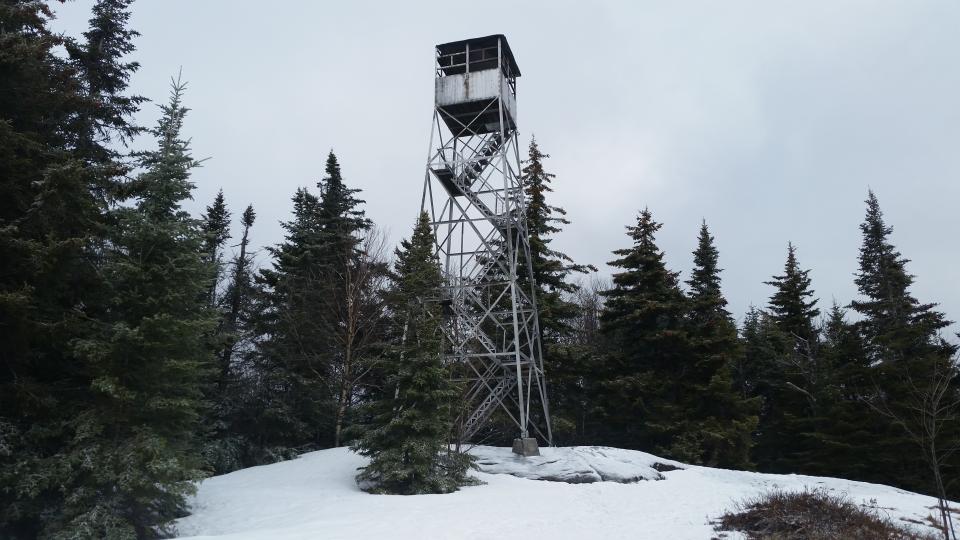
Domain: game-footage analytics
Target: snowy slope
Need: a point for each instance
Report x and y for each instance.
(315, 496)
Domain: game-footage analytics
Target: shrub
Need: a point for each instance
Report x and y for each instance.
(812, 515)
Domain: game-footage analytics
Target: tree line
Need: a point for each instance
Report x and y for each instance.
(145, 348)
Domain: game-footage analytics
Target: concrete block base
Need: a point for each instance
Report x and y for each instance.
(526, 447)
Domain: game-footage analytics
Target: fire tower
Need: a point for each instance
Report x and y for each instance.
(475, 198)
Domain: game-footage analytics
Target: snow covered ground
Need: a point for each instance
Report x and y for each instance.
(621, 494)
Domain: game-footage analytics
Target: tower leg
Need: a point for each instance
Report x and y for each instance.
(526, 446)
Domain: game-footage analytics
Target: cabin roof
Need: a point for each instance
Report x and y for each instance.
(483, 42)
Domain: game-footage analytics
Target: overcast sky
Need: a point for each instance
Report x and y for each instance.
(768, 119)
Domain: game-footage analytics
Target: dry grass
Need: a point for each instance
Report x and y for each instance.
(812, 515)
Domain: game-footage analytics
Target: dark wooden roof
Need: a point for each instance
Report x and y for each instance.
(483, 42)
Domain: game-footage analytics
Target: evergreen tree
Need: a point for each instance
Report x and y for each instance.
(792, 375)
(340, 218)
(551, 269)
(410, 425)
(57, 177)
(903, 345)
(228, 447)
(790, 305)
(302, 318)
(351, 309)
(136, 451)
(719, 422)
(216, 229)
(646, 347)
(843, 441)
(237, 299)
(99, 61)
(762, 373)
(292, 350)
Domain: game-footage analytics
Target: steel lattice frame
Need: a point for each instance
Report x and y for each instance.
(474, 196)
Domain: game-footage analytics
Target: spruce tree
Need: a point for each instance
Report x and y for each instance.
(791, 375)
(410, 425)
(719, 422)
(292, 355)
(351, 308)
(761, 374)
(216, 230)
(790, 305)
(136, 452)
(302, 308)
(903, 345)
(647, 347)
(551, 268)
(57, 175)
(845, 431)
(565, 361)
(231, 392)
(236, 301)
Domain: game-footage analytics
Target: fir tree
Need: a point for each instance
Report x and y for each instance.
(551, 270)
(293, 353)
(302, 316)
(843, 442)
(791, 375)
(57, 180)
(410, 425)
(762, 374)
(790, 305)
(136, 452)
(903, 345)
(216, 230)
(99, 60)
(228, 447)
(647, 346)
(237, 298)
(351, 310)
(719, 422)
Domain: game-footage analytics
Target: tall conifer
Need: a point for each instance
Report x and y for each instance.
(904, 346)
(565, 362)
(136, 453)
(646, 348)
(718, 421)
(57, 176)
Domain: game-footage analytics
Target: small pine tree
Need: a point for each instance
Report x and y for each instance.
(790, 305)
(216, 231)
(410, 425)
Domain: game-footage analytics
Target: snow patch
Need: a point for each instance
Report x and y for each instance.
(316, 496)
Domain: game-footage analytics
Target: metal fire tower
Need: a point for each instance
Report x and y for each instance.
(474, 195)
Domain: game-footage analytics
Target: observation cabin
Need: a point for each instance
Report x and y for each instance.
(476, 83)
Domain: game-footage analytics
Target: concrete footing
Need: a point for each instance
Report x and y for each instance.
(526, 447)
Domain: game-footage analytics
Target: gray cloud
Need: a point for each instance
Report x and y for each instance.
(767, 119)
